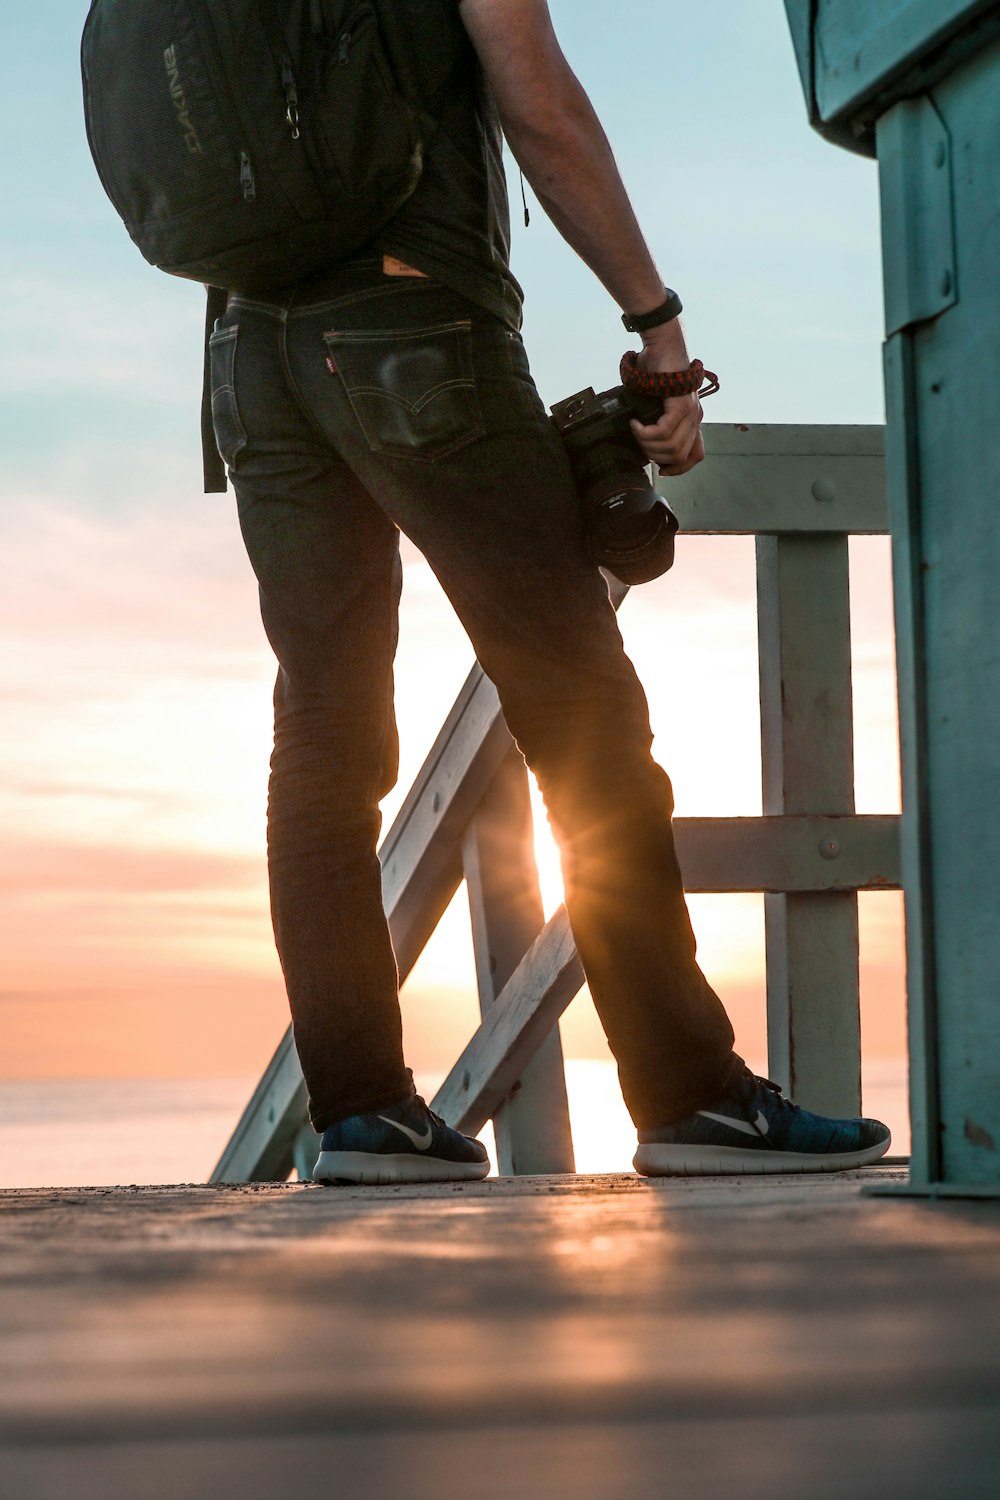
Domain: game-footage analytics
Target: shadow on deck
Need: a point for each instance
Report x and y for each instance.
(541, 1336)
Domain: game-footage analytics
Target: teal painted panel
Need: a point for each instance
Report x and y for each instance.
(858, 57)
(918, 240)
(799, 14)
(952, 449)
(861, 46)
(921, 997)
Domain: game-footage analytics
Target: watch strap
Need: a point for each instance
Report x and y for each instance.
(665, 313)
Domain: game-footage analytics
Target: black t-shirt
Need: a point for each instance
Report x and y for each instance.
(456, 225)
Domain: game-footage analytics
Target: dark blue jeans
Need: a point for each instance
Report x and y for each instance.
(356, 406)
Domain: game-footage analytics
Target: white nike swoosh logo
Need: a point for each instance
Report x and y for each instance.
(758, 1128)
(420, 1141)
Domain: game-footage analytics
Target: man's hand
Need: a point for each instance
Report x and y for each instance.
(674, 443)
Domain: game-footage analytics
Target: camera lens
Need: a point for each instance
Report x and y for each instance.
(629, 528)
(624, 520)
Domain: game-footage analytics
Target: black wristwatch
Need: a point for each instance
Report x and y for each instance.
(665, 313)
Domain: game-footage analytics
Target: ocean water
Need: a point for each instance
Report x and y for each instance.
(138, 1131)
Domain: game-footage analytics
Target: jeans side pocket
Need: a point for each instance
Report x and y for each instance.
(413, 391)
(230, 436)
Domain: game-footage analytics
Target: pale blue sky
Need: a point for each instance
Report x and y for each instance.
(770, 235)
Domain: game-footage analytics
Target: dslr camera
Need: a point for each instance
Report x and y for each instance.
(629, 528)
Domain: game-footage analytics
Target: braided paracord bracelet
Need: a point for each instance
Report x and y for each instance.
(694, 381)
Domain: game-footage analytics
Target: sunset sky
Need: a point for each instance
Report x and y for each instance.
(134, 673)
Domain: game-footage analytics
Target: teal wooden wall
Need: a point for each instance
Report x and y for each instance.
(936, 132)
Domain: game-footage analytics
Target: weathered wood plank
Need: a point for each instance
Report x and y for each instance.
(807, 756)
(575, 1334)
(776, 854)
(813, 992)
(783, 440)
(513, 1028)
(784, 479)
(915, 851)
(804, 638)
(261, 1147)
(505, 903)
(305, 1150)
(421, 853)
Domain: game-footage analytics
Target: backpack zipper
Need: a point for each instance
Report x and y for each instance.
(246, 178)
(215, 44)
(291, 97)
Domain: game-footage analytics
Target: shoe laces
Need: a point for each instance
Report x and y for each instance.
(417, 1099)
(751, 1083)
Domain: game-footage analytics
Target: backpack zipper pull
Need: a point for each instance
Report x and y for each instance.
(344, 49)
(246, 178)
(291, 97)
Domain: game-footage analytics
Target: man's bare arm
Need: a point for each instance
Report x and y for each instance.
(560, 145)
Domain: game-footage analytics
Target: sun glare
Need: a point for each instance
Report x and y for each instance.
(546, 854)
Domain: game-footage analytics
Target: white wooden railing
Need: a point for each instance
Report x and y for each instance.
(802, 491)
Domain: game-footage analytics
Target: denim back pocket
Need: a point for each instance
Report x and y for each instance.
(230, 436)
(413, 391)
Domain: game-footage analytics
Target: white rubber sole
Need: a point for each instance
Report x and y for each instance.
(710, 1161)
(371, 1170)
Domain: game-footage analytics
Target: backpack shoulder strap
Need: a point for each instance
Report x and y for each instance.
(213, 467)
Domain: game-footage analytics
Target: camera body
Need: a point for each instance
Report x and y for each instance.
(629, 528)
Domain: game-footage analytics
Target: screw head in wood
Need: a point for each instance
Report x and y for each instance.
(823, 490)
(829, 848)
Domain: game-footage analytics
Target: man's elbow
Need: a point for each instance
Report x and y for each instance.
(546, 130)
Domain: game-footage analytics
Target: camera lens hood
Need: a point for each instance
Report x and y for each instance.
(643, 560)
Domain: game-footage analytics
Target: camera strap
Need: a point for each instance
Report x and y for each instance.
(694, 381)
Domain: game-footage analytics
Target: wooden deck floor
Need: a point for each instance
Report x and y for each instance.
(597, 1338)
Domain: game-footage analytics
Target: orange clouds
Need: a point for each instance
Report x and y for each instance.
(136, 682)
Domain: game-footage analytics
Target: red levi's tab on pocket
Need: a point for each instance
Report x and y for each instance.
(393, 267)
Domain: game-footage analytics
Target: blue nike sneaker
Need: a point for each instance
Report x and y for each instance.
(404, 1142)
(751, 1128)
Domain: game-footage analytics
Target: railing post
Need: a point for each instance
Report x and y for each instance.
(532, 1126)
(305, 1149)
(807, 747)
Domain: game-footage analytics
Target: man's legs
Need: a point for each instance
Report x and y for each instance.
(369, 405)
(327, 562)
(432, 408)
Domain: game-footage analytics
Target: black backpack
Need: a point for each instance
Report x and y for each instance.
(247, 143)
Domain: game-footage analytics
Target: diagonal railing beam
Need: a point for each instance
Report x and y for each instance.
(513, 1029)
